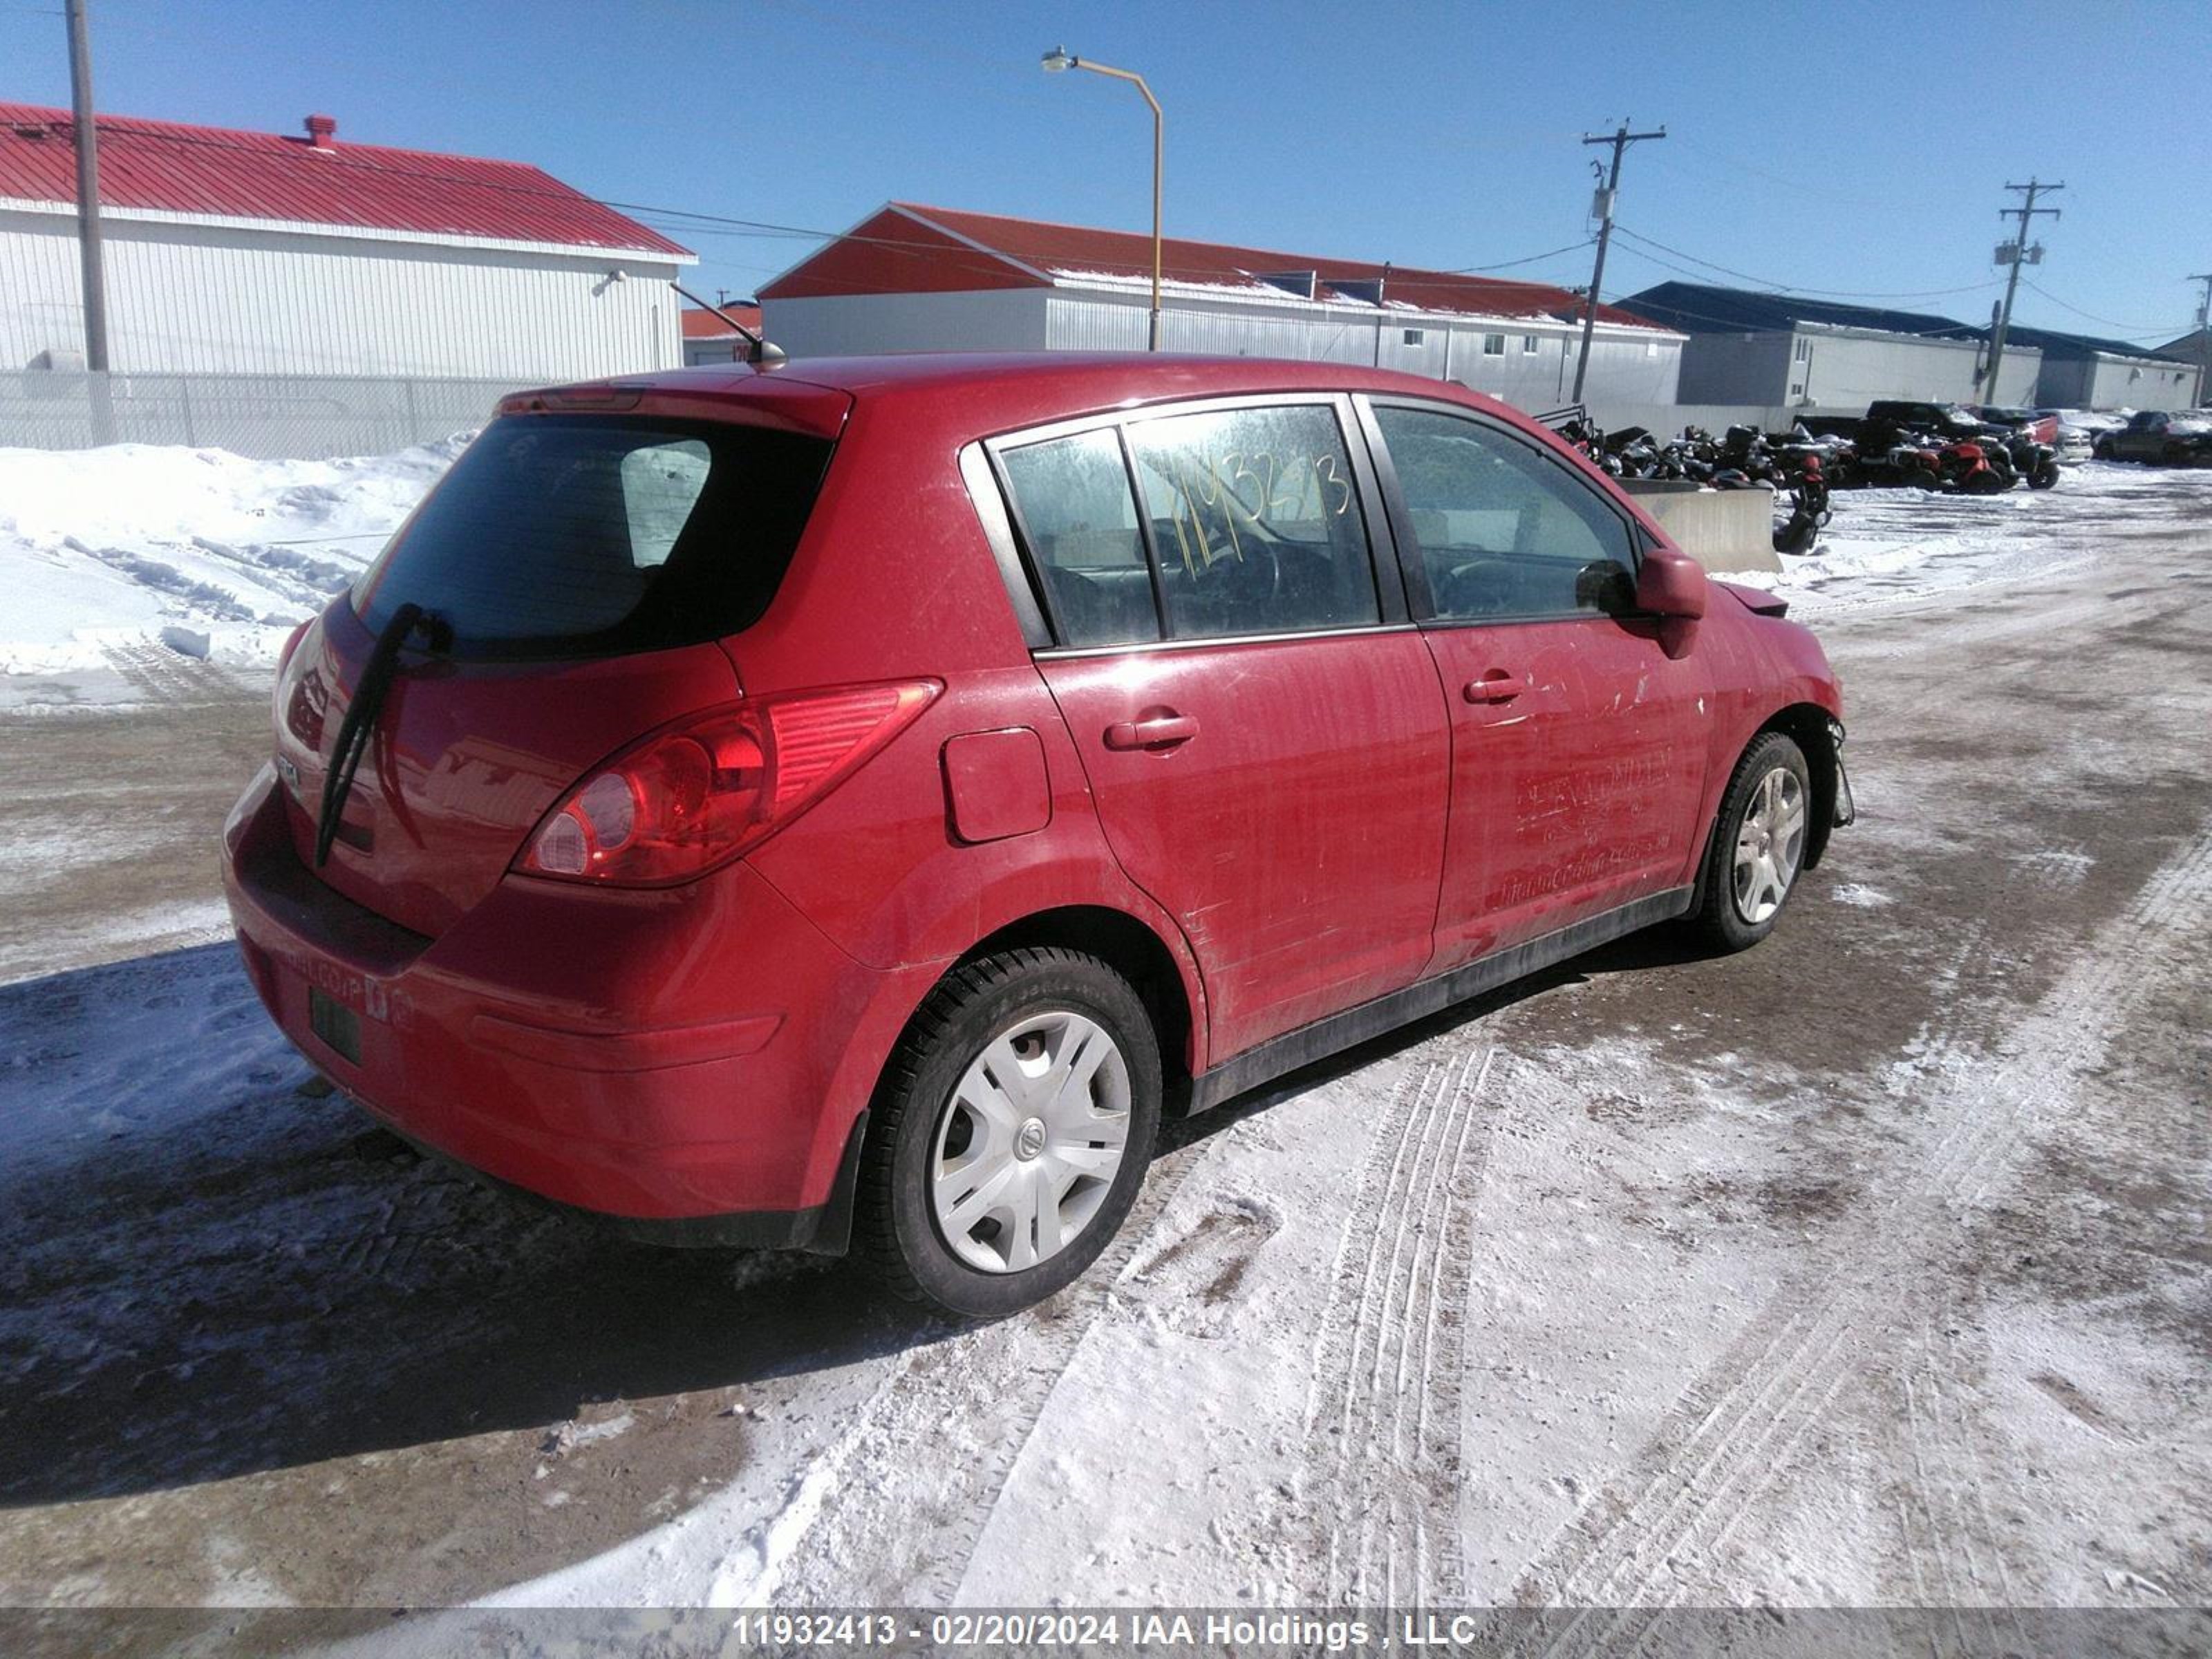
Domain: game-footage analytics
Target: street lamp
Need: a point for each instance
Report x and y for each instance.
(1060, 58)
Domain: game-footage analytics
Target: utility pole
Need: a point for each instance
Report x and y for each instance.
(102, 406)
(2014, 254)
(1620, 140)
(88, 192)
(2204, 338)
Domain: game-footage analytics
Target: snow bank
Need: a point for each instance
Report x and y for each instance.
(104, 547)
(1885, 546)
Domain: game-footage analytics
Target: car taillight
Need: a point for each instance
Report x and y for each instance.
(292, 643)
(700, 792)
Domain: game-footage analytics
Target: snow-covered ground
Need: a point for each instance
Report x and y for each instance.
(106, 548)
(1885, 545)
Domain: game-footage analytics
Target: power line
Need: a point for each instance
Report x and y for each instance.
(2145, 330)
(1773, 287)
(1534, 259)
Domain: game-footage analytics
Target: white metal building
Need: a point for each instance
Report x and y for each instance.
(1749, 346)
(2079, 372)
(911, 278)
(250, 252)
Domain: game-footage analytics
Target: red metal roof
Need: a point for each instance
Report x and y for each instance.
(702, 325)
(909, 248)
(168, 166)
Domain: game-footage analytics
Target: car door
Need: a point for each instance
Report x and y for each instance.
(1260, 725)
(2141, 439)
(1580, 729)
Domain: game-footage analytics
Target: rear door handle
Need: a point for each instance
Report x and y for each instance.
(1496, 686)
(1152, 732)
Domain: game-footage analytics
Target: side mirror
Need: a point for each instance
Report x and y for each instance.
(1670, 584)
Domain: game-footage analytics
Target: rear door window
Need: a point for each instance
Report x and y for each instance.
(1080, 522)
(1257, 521)
(561, 535)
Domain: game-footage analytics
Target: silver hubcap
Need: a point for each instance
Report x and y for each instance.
(1031, 1142)
(1769, 845)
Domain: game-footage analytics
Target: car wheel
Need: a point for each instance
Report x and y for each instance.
(1010, 1132)
(1759, 843)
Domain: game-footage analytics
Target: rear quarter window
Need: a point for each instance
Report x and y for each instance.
(597, 535)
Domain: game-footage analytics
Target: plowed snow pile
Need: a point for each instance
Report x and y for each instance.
(100, 548)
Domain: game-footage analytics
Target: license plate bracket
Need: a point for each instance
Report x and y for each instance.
(338, 1025)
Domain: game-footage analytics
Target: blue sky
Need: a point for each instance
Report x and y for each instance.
(1851, 147)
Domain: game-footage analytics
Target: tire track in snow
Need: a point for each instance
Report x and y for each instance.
(1384, 1419)
(962, 1410)
(1735, 1429)
(163, 676)
(1954, 1547)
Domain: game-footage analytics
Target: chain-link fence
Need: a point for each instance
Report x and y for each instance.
(263, 416)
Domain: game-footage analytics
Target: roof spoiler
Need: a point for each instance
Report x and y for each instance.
(763, 351)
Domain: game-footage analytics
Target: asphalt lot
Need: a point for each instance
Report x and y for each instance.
(1869, 1267)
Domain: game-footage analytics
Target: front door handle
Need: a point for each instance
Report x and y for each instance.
(1496, 686)
(1160, 731)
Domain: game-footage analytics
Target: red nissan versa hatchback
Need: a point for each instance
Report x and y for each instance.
(859, 797)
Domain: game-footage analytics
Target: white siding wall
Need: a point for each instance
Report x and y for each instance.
(1849, 373)
(1624, 366)
(1627, 365)
(203, 299)
(865, 324)
(2120, 383)
(1844, 371)
(1736, 368)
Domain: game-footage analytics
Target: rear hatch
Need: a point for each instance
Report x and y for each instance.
(580, 563)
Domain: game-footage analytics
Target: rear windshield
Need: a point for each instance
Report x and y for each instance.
(582, 535)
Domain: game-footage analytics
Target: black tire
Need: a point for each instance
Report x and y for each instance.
(974, 1004)
(2044, 476)
(1720, 920)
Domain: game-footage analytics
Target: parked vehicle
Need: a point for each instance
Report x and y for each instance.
(2074, 435)
(2161, 438)
(1891, 423)
(2033, 423)
(855, 800)
(1809, 510)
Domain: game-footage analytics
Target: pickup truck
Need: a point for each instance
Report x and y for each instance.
(2161, 437)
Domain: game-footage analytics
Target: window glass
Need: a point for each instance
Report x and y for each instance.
(660, 484)
(1528, 344)
(1081, 526)
(1256, 520)
(1505, 531)
(558, 535)
(1493, 345)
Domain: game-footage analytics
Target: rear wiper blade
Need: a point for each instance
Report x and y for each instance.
(359, 723)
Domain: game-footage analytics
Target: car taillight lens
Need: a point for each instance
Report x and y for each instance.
(292, 643)
(696, 793)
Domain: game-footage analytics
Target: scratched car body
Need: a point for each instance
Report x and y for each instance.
(847, 803)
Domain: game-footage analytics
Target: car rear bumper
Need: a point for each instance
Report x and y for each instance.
(632, 1055)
